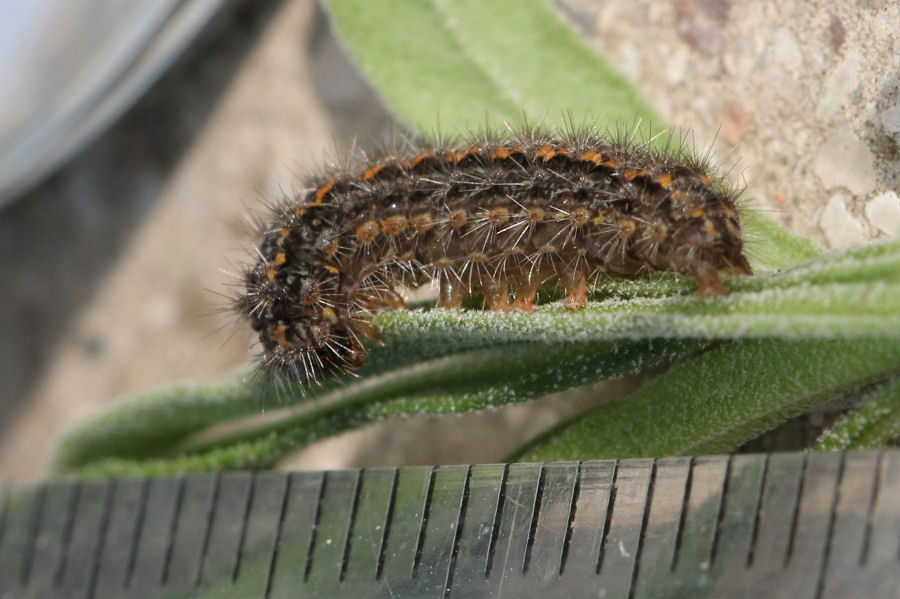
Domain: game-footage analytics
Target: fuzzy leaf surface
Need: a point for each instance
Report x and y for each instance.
(438, 361)
(720, 399)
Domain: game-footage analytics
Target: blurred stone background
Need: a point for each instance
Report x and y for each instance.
(110, 277)
(805, 96)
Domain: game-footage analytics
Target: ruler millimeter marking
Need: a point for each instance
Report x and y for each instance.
(788, 525)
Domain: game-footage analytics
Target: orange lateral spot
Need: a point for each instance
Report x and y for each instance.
(704, 178)
(367, 232)
(598, 219)
(332, 269)
(664, 180)
(419, 159)
(710, 228)
(634, 174)
(280, 259)
(270, 274)
(697, 213)
(457, 156)
(322, 192)
(588, 155)
(285, 231)
(300, 211)
(373, 170)
(546, 152)
(610, 163)
(328, 313)
(279, 334)
(500, 153)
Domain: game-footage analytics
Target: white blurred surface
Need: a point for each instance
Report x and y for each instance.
(68, 68)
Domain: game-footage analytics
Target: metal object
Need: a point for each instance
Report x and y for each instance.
(72, 66)
(782, 525)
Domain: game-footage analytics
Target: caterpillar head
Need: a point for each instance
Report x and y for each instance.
(309, 348)
(303, 336)
(708, 237)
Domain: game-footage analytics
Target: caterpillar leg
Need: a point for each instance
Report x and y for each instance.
(451, 294)
(496, 294)
(576, 296)
(710, 285)
(525, 292)
(575, 284)
(364, 328)
(392, 299)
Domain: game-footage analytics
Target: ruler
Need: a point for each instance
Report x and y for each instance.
(794, 525)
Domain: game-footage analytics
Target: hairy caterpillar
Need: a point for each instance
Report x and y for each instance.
(497, 216)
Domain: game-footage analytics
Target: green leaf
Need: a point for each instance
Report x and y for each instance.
(720, 399)
(458, 65)
(769, 246)
(874, 424)
(469, 381)
(439, 361)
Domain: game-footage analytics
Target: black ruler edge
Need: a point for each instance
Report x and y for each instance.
(789, 524)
